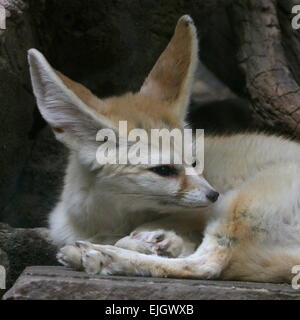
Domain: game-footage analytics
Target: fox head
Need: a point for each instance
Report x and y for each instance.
(76, 115)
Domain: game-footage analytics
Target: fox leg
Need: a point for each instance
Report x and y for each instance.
(226, 252)
(173, 236)
(206, 262)
(263, 264)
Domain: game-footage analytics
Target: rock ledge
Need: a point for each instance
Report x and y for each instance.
(61, 283)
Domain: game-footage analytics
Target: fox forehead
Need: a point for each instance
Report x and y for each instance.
(141, 112)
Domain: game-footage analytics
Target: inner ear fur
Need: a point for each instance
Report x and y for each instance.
(172, 76)
(83, 93)
(66, 105)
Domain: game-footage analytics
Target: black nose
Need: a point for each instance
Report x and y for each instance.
(212, 196)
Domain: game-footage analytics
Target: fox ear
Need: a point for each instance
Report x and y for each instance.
(67, 106)
(172, 76)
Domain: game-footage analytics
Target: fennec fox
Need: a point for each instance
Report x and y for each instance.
(159, 221)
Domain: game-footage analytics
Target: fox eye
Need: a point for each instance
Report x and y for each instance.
(165, 171)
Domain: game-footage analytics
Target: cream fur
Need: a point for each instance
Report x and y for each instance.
(251, 233)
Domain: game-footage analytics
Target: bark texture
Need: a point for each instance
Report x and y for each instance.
(264, 29)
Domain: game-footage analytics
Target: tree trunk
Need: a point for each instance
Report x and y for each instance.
(271, 80)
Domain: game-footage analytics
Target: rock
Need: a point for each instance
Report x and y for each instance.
(208, 88)
(13, 7)
(39, 184)
(4, 263)
(24, 247)
(17, 102)
(4, 260)
(53, 283)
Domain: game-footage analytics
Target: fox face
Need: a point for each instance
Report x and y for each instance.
(76, 116)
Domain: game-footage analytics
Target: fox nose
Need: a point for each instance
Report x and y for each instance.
(213, 196)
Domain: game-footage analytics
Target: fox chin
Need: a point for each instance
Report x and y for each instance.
(239, 219)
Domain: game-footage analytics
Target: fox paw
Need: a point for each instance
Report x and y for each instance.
(160, 242)
(70, 256)
(93, 260)
(83, 255)
(103, 259)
